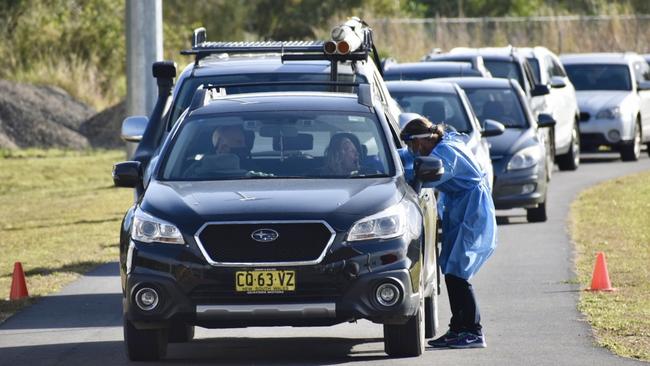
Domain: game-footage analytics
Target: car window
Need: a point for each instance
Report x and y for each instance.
(437, 107)
(501, 105)
(265, 145)
(186, 91)
(558, 70)
(642, 71)
(506, 70)
(599, 76)
(534, 65)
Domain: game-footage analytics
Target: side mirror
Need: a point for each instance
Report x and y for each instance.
(643, 85)
(557, 82)
(545, 120)
(127, 174)
(539, 90)
(133, 128)
(428, 169)
(407, 117)
(492, 128)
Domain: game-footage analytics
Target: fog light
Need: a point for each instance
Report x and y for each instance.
(146, 298)
(614, 135)
(527, 188)
(387, 294)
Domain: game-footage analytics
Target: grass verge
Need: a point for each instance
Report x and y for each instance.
(614, 217)
(59, 216)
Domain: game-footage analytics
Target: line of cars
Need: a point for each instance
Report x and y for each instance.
(552, 108)
(245, 214)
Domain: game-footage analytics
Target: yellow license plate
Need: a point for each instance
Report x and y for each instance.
(265, 281)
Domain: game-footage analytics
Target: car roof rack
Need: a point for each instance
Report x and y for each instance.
(351, 41)
(208, 92)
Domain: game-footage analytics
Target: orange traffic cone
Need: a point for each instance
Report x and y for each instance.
(600, 277)
(18, 285)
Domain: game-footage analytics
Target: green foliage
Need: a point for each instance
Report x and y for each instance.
(79, 45)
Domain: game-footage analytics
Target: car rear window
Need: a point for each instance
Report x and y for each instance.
(278, 144)
(505, 69)
(429, 74)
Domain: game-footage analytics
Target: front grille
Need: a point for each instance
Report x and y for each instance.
(584, 116)
(227, 243)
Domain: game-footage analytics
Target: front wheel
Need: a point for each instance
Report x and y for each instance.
(144, 344)
(537, 214)
(632, 151)
(407, 340)
(571, 160)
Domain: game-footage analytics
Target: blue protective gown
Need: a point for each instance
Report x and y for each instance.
(466, 207)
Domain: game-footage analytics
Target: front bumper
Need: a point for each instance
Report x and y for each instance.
(609, 132)
(339, 289)
(518, 188)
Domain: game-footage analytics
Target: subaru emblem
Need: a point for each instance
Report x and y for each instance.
(265, 235)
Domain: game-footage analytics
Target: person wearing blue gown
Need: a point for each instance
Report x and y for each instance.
(468, 224)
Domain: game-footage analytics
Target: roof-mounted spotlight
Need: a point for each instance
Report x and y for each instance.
(349, 36)
(329, 47)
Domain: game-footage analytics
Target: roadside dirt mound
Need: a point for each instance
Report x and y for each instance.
(40, 116)
(103, 129)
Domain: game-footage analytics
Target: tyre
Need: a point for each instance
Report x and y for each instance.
(180, 332)
(430, 316)
(571, 160)
(144, 344)
(407, 340)
(537, 214)
(632, 151)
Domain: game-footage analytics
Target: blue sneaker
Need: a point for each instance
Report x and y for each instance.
(444, 341)
(468, 340)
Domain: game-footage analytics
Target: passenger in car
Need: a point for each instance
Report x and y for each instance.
(231, 139)
(342, 155)
(468, 225)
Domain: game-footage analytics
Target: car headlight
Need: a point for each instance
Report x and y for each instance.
(609, 113)
(149, 229)
(401, 219)
(525, 158)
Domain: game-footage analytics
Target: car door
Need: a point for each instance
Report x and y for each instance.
(562, 103)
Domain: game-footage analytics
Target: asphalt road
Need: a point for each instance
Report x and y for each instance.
(526, 295)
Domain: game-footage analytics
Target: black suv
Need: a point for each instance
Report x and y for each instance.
(269, 231)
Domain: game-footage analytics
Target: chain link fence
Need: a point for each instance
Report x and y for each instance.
(410, 39)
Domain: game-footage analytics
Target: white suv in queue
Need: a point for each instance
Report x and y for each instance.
(561, 103)
(613, 92)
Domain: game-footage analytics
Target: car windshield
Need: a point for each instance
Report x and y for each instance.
(437, 107)
(599, 76)
(429, 74)
(280, 144)
(505, 69)
(501, 105)
(189, 86)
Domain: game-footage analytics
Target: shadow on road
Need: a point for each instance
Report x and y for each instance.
(69, 311)
(215, 351)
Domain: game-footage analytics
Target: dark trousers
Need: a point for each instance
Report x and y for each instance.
(465, 316)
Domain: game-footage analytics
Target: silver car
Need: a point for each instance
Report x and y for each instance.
(446, 102)
(613, 91)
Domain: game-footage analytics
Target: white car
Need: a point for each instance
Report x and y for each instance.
(561, 103)
(613, 92)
